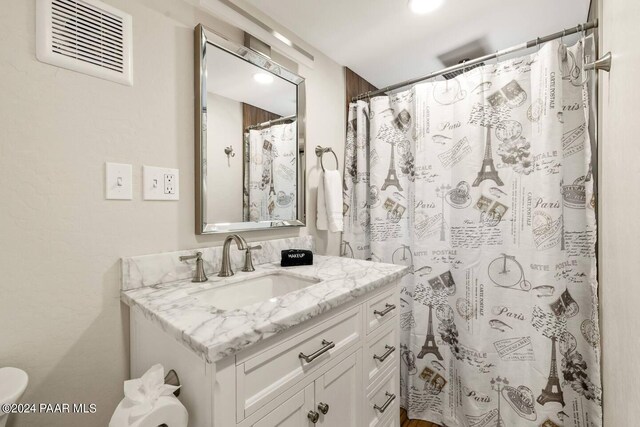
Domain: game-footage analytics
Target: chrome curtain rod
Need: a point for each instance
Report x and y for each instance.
(531, 43)
(270, 122)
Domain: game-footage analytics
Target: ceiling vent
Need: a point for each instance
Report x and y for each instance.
(86, 36)
(466, 52)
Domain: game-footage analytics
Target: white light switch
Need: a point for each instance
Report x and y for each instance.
(160, 183)
(118, 181)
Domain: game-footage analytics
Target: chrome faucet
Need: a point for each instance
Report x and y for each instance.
(225, 267)
(199, 275)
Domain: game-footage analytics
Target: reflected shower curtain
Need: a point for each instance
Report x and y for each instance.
(482, 184)
(272, 176)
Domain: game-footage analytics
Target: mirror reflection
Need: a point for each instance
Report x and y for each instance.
(252, 147)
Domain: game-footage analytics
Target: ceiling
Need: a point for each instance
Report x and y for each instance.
(384, 42)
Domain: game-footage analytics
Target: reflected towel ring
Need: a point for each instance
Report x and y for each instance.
(320, 151)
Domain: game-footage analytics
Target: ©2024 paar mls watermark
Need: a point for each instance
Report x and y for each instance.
(48, 408)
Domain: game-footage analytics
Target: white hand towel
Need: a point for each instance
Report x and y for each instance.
(333, 199)
(321, 210)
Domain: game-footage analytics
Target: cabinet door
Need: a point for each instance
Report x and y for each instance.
(341, 389)
(291, 413)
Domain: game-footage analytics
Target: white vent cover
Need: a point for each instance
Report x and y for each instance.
(86, 36)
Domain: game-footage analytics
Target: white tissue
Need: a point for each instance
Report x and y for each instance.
(144, 392)
(149, 402)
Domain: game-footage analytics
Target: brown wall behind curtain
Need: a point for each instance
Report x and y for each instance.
(355, 85)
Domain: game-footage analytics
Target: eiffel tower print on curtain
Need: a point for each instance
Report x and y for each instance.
(488, 170)
(392, 176)
(430, 345)
(552, 391)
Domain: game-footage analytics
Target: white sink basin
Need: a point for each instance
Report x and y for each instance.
(246, 292)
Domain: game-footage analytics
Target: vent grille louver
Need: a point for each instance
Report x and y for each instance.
(473, 49)
(456, 73)
(87, 36)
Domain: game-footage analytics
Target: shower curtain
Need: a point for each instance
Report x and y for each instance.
(482, 185)
(271, 176)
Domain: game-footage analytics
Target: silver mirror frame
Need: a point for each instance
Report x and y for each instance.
(203, 37)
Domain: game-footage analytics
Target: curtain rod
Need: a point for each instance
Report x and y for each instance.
(270, 122)
(531, 43)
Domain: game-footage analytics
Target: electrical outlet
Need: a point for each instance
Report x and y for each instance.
(169, 183)
(160, 183)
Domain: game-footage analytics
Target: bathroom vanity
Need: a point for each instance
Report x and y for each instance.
(300, 346)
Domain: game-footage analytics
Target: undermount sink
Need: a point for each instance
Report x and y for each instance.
(262, 288)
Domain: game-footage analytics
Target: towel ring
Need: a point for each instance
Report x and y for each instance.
(320, 151)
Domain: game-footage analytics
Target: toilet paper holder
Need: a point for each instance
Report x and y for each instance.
(172, 379)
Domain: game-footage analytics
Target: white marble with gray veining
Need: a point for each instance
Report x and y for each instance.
(214, 334)
(148, 270)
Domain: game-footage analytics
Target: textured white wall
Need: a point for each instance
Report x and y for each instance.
(225, 179)
(61, 317)
(619, 228)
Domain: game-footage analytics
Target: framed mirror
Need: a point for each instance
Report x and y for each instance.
(250, 139)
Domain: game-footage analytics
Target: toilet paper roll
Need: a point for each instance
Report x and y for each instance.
(167, 410)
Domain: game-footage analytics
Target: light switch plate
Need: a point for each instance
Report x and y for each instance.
(118, 180)
(160, 183)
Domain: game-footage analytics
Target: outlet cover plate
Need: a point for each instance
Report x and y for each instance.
(118, 181)
(160, 183)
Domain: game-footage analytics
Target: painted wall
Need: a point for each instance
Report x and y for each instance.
(224, 128)
(61, 241)
(619, 228)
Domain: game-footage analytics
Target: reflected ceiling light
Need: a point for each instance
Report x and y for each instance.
(263, 78)
(282, 38)
(424, 6)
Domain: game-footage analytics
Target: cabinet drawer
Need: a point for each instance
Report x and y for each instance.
(381, 309)
(381, 352)
(263, 377)
(384, 400)
(392, 420)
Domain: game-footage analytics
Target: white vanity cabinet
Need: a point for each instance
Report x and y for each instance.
(338, 369)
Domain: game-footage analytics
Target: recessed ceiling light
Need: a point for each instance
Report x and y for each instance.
(424, 6)
(263, 78)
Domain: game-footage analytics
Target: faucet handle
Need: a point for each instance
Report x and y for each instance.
(248, 261)
(196, 256)
(200, 275)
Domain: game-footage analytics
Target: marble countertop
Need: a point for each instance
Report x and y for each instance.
(214, 333)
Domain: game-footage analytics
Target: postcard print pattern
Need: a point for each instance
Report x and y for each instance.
(270, 184)
(482, 185)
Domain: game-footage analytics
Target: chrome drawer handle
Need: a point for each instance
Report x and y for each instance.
(386, 310)
(326, 346)
(390, 398)
(390, 349)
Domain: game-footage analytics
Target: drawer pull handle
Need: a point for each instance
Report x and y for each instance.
(388, 308)
(326, 346)
(323, 407)
(390, 349)
(390, 398)
(313, 416)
